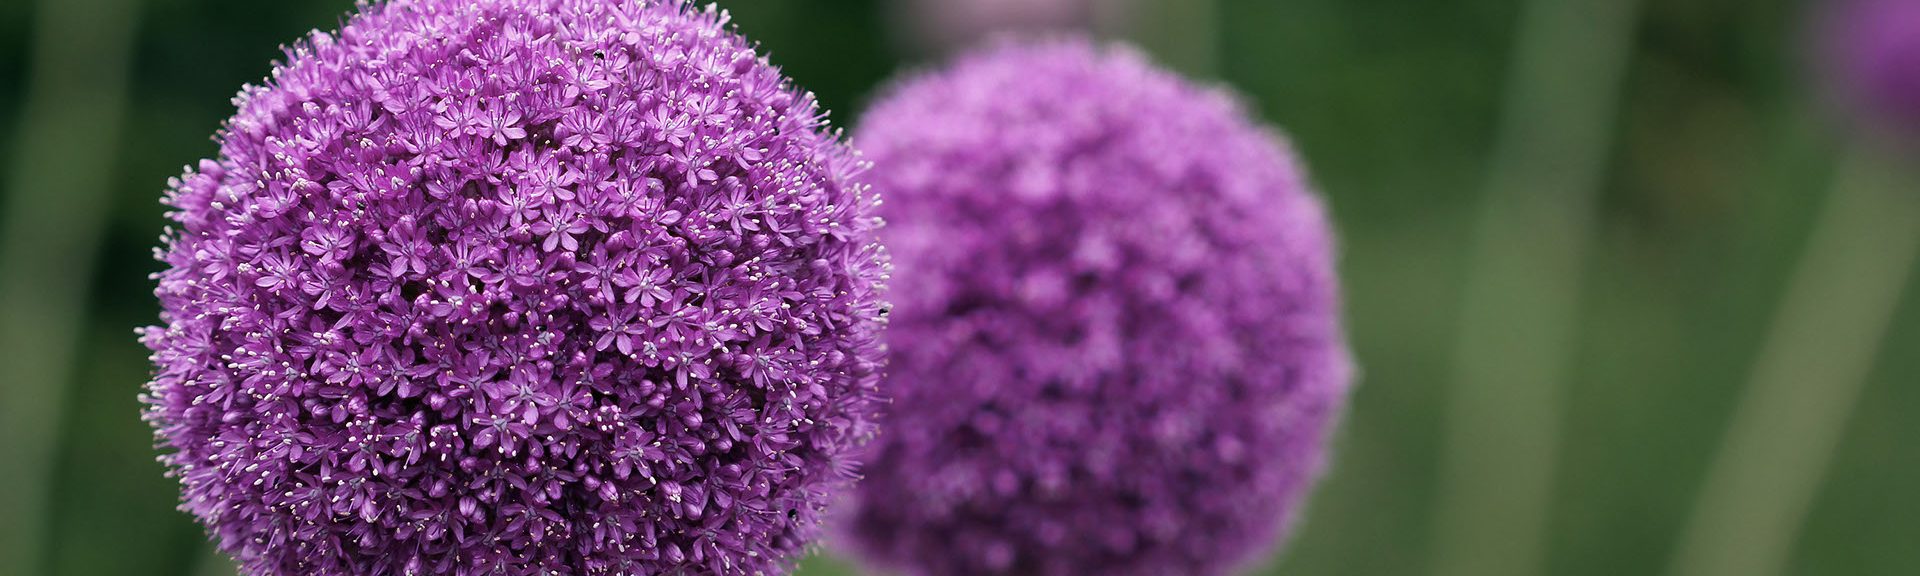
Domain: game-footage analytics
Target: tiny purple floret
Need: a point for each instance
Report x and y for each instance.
(1117, 347)
(518, 287)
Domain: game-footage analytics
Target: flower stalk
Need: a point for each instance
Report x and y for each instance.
(1817, 358)
(1519, 322)
(51, 234)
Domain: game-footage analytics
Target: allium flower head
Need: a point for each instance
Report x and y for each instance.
(1875, 50)
(518, 287)
(1116, 338)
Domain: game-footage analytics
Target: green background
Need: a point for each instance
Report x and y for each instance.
(1719, 156)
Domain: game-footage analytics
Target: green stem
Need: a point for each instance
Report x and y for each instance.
(214, 563)
(1808, 377)
(55, 210)
(1184, 34)
(1200, 34)
(1502, 425)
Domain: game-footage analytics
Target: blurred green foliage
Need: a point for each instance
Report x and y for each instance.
(1721, 154)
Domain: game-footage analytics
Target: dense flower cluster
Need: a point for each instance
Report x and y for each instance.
(1116, 338)
(1875, 47)
(518, 287)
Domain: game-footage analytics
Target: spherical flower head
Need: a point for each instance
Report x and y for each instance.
(1874, 48)
(1116, 338)
(518, 287)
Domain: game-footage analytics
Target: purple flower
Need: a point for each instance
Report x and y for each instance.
(1116, 346)
(518, 287)
(1874, 50)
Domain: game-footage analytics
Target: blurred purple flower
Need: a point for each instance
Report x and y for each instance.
(1116, 342)
(518, 287)
(1875, 51)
